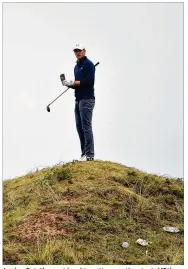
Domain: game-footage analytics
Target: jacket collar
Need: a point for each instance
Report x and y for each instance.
(81, 60)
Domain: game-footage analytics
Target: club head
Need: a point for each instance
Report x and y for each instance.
(48, 108)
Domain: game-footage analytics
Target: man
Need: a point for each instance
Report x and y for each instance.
(84, 73)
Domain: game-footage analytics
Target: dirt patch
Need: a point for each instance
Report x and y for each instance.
(45, 224)
(9, 258)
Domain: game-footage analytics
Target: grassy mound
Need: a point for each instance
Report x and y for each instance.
(80, 212)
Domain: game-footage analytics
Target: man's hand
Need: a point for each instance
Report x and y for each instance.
(68, 83)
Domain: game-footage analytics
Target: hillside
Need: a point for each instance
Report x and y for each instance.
(80, 212)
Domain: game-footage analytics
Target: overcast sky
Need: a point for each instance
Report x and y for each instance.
(138, 116)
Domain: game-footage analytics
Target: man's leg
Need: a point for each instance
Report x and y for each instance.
(86, 112)
(79, 127)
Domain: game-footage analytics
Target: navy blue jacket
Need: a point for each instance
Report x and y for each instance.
(84, 71)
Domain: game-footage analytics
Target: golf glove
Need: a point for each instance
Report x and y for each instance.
(68, 83)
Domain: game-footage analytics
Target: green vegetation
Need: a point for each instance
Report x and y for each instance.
(80, 212)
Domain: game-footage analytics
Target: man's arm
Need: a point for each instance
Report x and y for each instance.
(76, 83)
(89, 76)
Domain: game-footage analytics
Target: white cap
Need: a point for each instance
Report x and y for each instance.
(79, 47)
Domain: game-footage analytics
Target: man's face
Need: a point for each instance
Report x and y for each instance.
(79, 53)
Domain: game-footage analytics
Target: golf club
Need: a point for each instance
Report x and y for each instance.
(48, 106)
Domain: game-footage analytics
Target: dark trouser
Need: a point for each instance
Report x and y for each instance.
(83, 117)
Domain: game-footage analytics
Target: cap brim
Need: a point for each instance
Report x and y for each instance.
(78, 48)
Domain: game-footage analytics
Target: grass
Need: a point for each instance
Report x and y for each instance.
(80, 212)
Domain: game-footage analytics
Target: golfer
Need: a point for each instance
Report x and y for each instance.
(84, 73)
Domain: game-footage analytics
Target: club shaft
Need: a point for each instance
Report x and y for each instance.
(58, 97)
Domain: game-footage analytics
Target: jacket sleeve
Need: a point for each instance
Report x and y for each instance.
(89, 75)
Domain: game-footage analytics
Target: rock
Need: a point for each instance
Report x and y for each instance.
(142, 242)
(125, 244)
(171, 229)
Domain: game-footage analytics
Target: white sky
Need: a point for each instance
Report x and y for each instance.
(138, 117)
